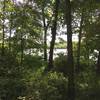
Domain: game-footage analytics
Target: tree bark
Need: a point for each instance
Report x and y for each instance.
(98, 63)
(70, 61)
(22, 40)
(79, 44)
(3, 28)
(10, 32)
(45, 35)
(54, 28)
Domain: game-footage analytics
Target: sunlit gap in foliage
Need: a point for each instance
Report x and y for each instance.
(18, 1)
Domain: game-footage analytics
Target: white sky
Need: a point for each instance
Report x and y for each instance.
(21, 1)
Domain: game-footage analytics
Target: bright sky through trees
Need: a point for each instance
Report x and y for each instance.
(20, 1)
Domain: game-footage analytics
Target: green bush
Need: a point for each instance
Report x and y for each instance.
(9, 66)
(33, 62)
(60, 63)
(11, 81)
(53, 86)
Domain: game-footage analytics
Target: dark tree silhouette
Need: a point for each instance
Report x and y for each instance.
(70, 61)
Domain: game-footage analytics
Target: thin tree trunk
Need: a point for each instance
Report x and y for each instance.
(54, 28)
(10, 32)
(70, 61)
(98, 63)
(3, 36)
(22, 40)
(45, 36)
(79, 44)
(45, 44)
(87, 53)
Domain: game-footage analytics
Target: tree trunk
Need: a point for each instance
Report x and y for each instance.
(45, 36)
(22, 40)
(10, 32)
(79, 44)
(98, 63)
(3, 36)
(54, 28)
(71, 84)
(45, 44)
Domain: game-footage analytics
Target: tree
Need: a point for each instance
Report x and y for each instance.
(44, 6)
(79, 41)
(3, 27)
(53, 33)
(70, 61)
(45, 27)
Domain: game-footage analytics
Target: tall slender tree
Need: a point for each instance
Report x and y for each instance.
(3, 27)
(79, 41)
(98, 63)
(70, 61)
(45, 35)
(10, 32)
(53, 33)
(45, 28)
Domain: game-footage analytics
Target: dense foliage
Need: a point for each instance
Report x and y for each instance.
(30, 33)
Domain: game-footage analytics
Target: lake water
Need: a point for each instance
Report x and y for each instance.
(57, 51)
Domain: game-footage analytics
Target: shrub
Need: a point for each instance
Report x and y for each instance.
(53, 86)
(60, 63)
